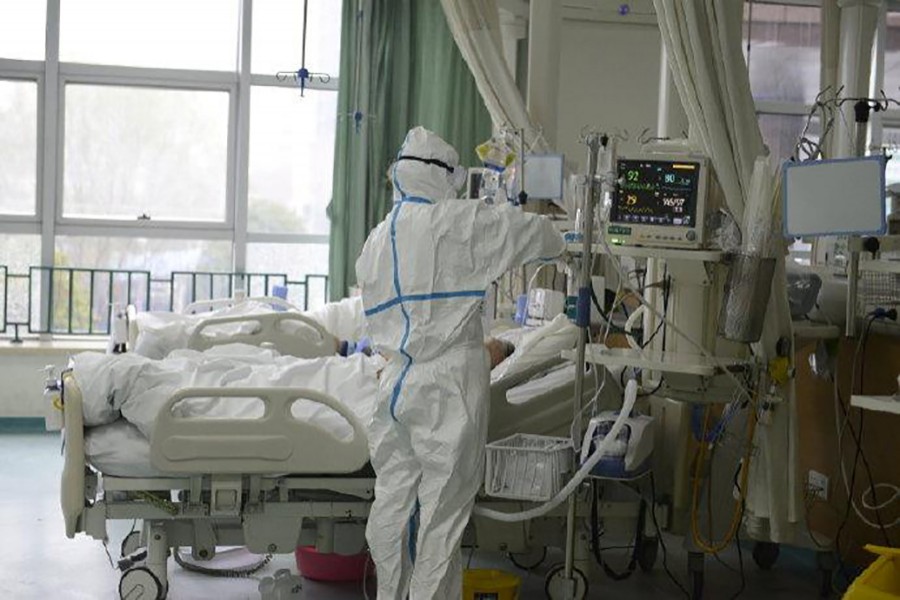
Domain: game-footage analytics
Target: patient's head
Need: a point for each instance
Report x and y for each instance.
(498, 350)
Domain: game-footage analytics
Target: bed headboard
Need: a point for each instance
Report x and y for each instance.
(277, 442)
(289, 333)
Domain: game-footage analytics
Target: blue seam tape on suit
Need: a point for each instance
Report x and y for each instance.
(423, 297)
(395, 394)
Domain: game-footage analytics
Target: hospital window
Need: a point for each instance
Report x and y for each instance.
(22, 30)
(137, 153)
(18, 147)
(782, 48)
(783, 54)
(170, 34)
(118, 151)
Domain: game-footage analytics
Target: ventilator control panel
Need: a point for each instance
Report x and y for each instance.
(659, 200)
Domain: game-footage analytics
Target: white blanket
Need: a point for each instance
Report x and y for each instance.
(137, 388)
(535, 346)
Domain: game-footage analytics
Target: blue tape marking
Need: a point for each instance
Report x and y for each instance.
(413, 532)
(423, 297)
(583, 307)
(415, 200)
(395, 394)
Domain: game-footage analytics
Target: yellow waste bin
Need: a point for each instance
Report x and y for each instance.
(489, 584)
(881, 580)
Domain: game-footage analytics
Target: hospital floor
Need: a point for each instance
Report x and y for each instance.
(37, 561)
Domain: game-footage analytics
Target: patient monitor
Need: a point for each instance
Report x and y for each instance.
(660, 200)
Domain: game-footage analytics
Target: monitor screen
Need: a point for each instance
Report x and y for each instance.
(656, 192)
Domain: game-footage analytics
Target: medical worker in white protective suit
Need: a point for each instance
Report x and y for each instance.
(424, 271)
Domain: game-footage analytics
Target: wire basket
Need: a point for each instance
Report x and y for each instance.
(877, 289)
(527, 467)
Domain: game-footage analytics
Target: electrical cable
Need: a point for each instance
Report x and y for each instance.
(600, 385)
(839, 402)
(595, 539)
(858, 358)
(667, 285)
(725, 368)
(365, 580)
(662, 541)
(706, 545)
(737, 536)
(861, 358)
(239, 573)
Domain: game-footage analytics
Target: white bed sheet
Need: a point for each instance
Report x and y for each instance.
(119, 449)
(533, 388)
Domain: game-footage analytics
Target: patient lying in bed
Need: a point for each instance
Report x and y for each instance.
(123, 394)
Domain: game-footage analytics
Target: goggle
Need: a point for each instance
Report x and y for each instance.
(429, 161)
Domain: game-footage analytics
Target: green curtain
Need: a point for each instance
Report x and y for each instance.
(409, 73)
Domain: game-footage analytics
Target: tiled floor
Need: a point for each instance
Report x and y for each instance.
(37, 561)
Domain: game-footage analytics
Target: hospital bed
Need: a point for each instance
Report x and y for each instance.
(269, 484)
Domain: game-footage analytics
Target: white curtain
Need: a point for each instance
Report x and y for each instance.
(475, 25)
(703, 41)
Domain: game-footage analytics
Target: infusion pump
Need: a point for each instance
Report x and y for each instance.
(661, 200)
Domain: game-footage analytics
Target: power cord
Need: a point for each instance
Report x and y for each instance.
(595, 539)
(860, 359)
(662, 542)
(240, 573)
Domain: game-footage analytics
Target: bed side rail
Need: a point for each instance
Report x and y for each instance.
(307, 339)
(277, 442)
(202, 306)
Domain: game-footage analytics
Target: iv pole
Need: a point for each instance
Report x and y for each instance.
(583, 320)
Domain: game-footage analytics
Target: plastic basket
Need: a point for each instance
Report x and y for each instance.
(527, 467)
(487, 584)
(881, 580)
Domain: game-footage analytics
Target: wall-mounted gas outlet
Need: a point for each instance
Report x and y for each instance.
(818, 485)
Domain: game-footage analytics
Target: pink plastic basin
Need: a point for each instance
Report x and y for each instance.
(332, 567)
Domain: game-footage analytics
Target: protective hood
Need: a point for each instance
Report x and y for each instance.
(414, 176)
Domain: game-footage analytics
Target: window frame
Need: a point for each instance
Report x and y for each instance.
(52, 76)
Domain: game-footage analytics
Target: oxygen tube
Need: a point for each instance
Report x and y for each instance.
(602, 448)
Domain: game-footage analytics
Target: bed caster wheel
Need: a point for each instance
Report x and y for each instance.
(140, 583)
(556, 585)
(647, 551)
(765, 554)
(530, 560)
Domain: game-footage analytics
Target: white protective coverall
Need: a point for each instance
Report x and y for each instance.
(423, 272)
